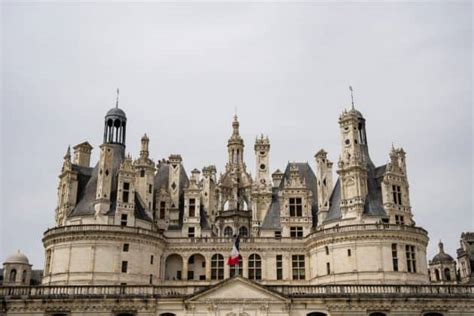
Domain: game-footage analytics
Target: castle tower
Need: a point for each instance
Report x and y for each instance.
(262, 150)
(353, 163)
(145, 169)
(174, 187)
(112, 152)
(125, 213)
(208, 194)
(192, 206)
(442, 269)
(235, 148)
(324, 183)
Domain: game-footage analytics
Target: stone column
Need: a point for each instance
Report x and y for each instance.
(208, 268)
(184, 273)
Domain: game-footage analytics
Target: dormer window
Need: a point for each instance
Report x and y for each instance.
(296, 206)
(125, 192)
(397, 194)
(192, 207)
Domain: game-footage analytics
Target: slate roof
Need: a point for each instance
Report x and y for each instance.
(272, 219)
(373, 203)
(87, 188)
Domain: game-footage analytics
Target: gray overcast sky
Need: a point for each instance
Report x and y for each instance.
(182, 68)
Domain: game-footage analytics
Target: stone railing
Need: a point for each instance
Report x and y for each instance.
(226, 240)
(130, 291)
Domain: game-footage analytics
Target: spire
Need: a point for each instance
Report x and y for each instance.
(441, 247)
(68, 153)
(352, 97)
(235, 126)
(117, 100)
(144, 148)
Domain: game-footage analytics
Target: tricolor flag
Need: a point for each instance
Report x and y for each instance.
(234, 258)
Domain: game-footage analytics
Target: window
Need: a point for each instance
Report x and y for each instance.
(397, 194)
(278, 234)
(447, 274)
(125, 192)
(23, 276)
(124, 266)
(255, 267)
(125, 247)
(326, 248)
(297, 263)
(296, 207)
(437, 275)
(123, 220)
(192, 207)
(237, 269)
(13, 275)
(228, 232)
(411, 261)
(48, 262)
(394, 257)
(162, 209)
(142, 173)
(348, 252)
(217, 267)
(152, 259)
(151, 278)
(243, 231)
(399, 220)
(191, 231)
(328, 268)
(150, 188)
(279, 267)
(296, 232)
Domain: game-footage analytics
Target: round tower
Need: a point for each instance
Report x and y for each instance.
(16, 270)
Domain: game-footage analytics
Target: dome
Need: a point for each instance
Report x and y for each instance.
(442, 257)
(357, 113)
(116, 112)
(17, 258)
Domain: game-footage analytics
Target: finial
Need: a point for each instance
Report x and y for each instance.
(441, 246)
(352, 96)
(68, 153)
(116, 102)
(235, 113)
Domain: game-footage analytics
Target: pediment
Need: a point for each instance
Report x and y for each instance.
(237, 289)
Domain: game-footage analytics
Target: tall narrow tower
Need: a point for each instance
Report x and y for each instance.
(235, 148)
(145, 168)
(324, 183)
(353, 163)
(262, 151)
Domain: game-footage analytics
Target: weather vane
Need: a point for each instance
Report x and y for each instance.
(352, 96)
(116, 102)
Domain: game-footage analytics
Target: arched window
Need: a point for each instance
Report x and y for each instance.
(447, 274)
(23, 277)
(437, 274)
(197, 267)
(173, 267)
(217, 267)
(228, 232)
(255, 267)
(13, 275)
(233, 269)
(243, 231)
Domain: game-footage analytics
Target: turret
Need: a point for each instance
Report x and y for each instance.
(324, 183)
(262, 150)
(235, 148)
(174, 187)
(208, 194)
(277, 176)
(82, 154)
(192, 207)
(115, 125)
(125, 212)
(67, 190)
(145, 169)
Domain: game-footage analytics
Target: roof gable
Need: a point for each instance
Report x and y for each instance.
(237, 289)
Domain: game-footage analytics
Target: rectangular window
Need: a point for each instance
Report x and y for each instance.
(397, 194)
(191, 232)
(124, 266)
(411, 261)
(328, 267)
(151, 278)
(190, 275)
(298, 269)
(125, 247)
(150, 188)
(142, 173)
(162, 209)
(348, 252)
(296, 206)
(296, 232)
(123, 220)
(192, 207)
(178, 275)
(394, 257)
(152, 259)
(125, 192)
(279, 267)
(277, 234)
(399, 220)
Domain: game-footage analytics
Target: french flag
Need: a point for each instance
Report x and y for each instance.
(234, 258)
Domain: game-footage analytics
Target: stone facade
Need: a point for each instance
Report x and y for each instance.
(135, 237)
